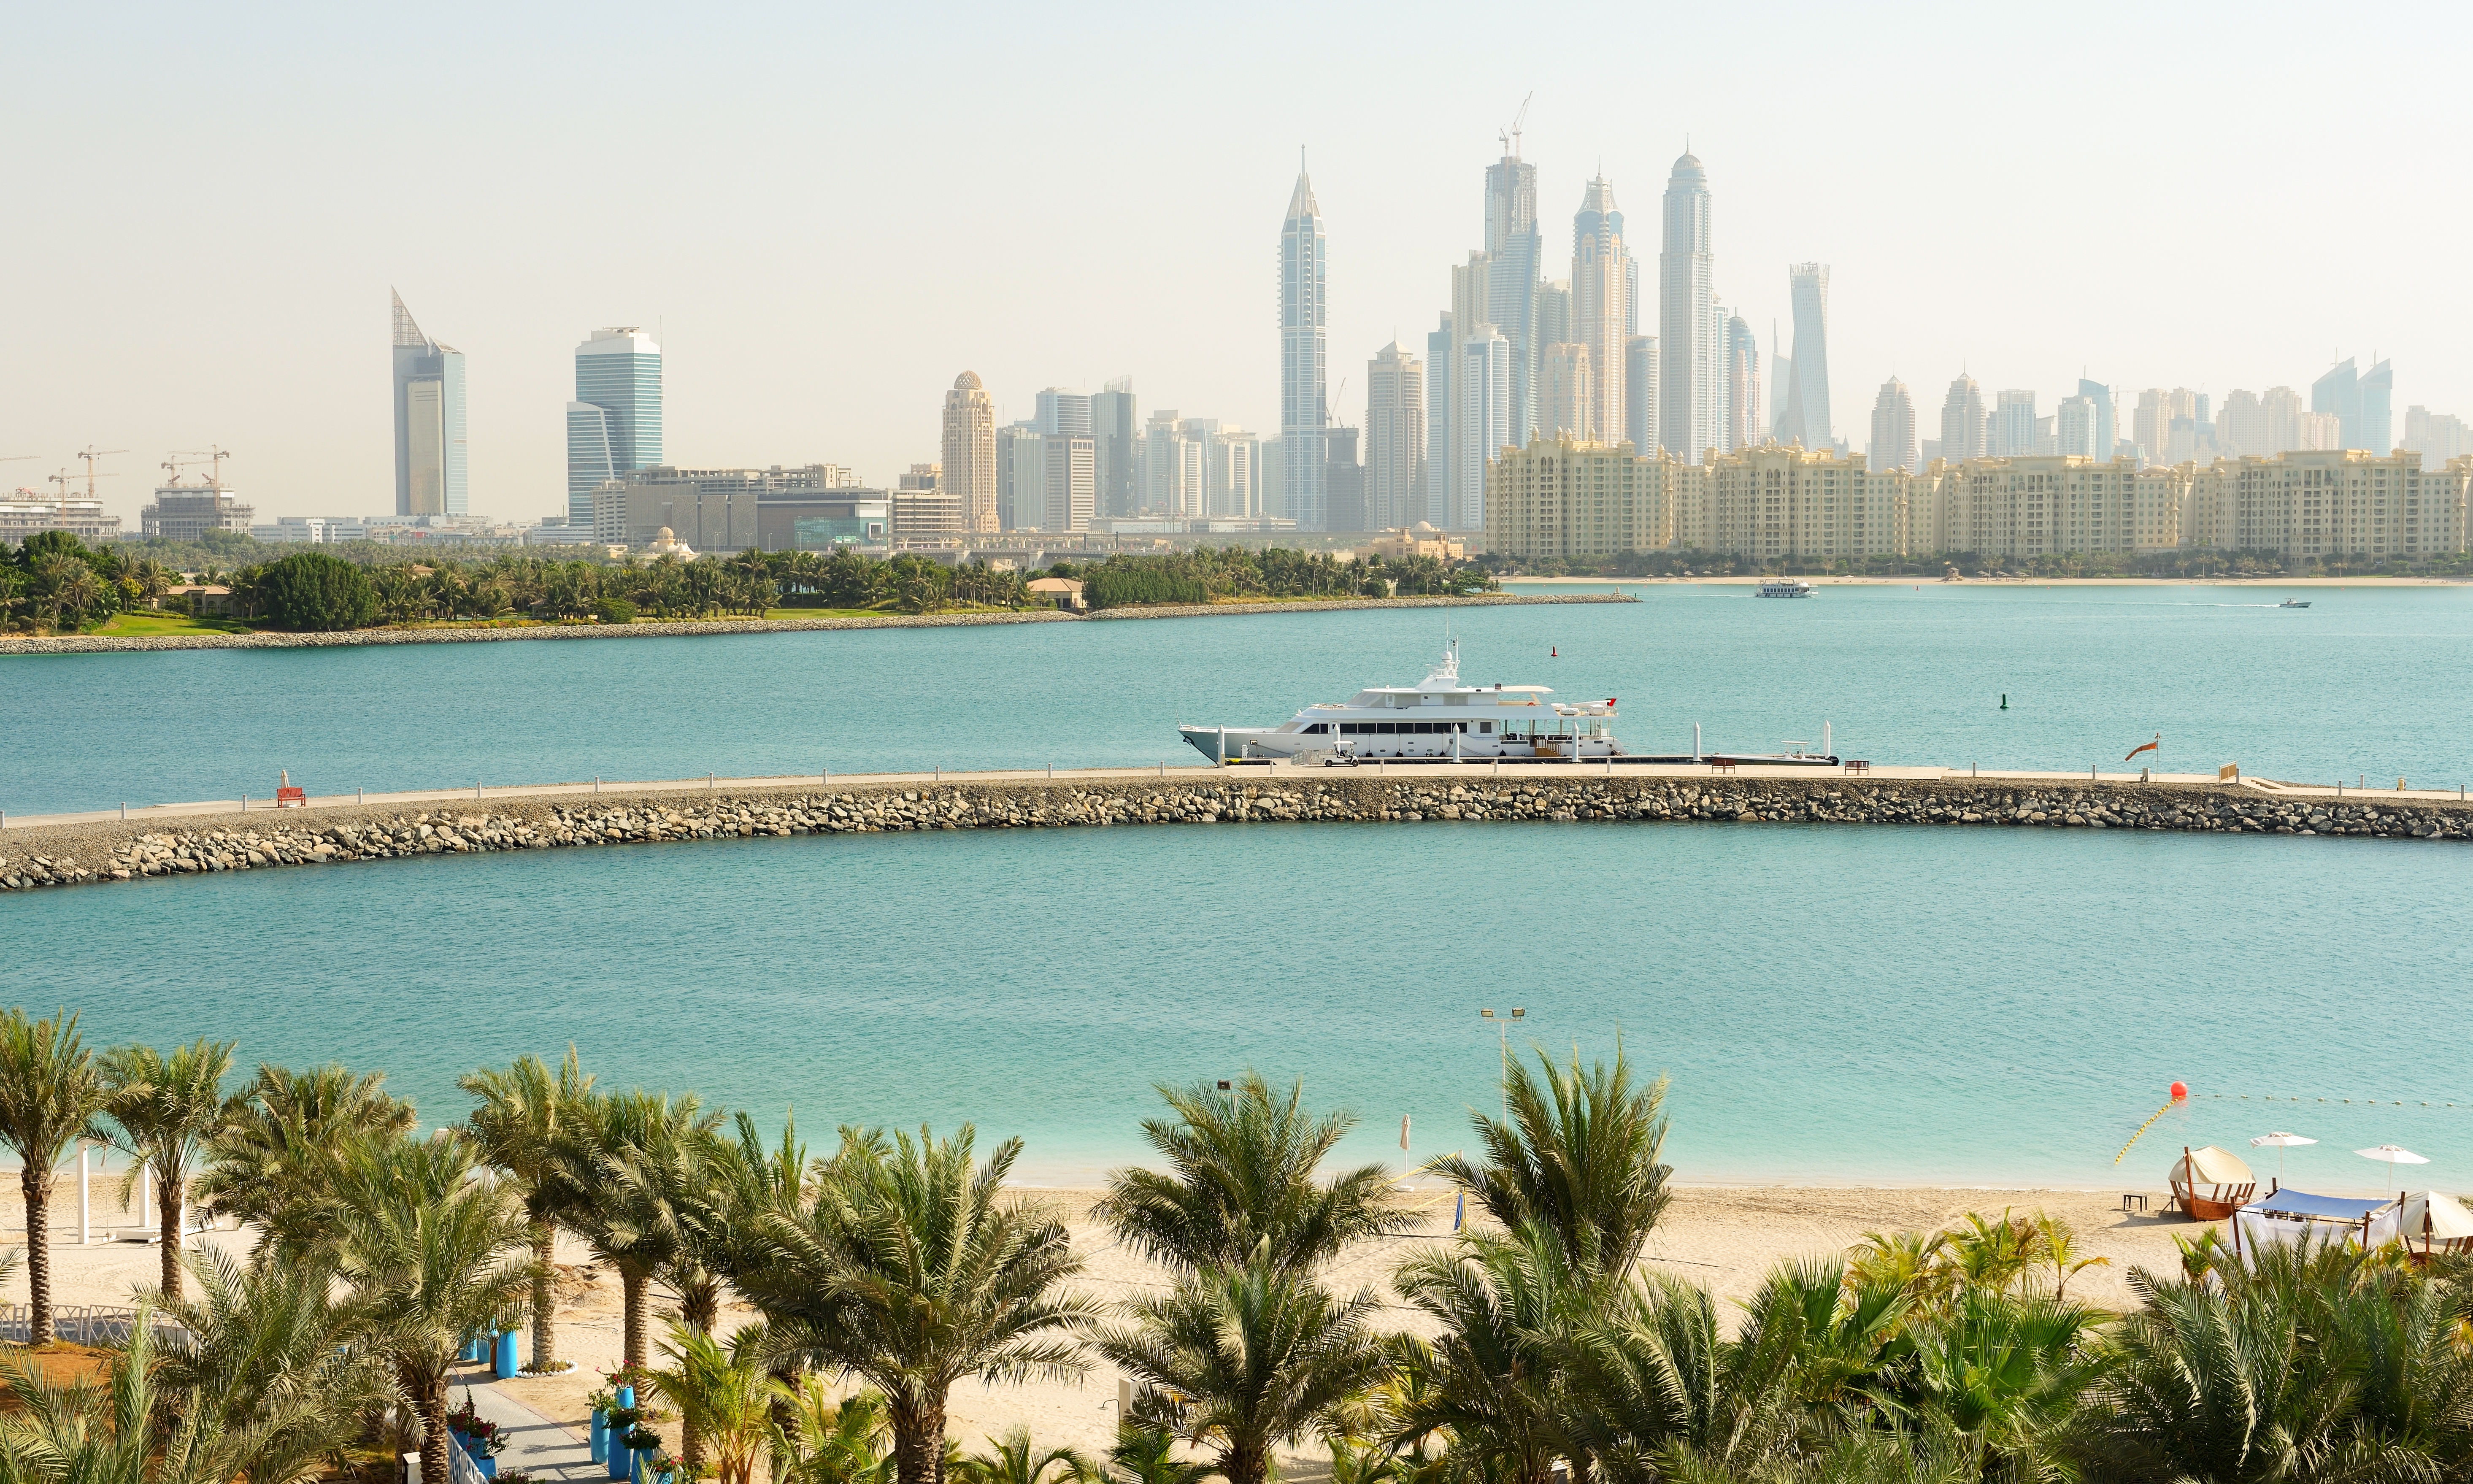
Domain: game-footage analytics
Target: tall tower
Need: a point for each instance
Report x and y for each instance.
(1640, 393)
(1893, 427)
(1961, 422)
(1601, 279)
(1482, 421)
(1513, 252)
(1691, 336)
(970, 451)
(429, 471)
(614, 426)
(1304, 410)
(1743, 428)
(1806, 416)
(2096, 393)
(1395, 439)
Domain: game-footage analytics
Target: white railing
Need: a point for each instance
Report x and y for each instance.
(80, 1324)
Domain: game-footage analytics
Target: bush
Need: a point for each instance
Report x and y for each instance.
(614, 611)
(1116, 585)
(312, 591)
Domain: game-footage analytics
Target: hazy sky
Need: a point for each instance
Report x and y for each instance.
(826, 212)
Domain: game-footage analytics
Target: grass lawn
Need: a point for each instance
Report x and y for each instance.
(830, 612)
(160, 625)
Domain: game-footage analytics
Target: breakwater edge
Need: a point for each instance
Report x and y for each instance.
(661, 628)
(94, 853)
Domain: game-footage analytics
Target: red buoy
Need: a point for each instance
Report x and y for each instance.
(2180, 1091)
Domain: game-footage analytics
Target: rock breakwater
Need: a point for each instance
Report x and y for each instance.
(78, 855)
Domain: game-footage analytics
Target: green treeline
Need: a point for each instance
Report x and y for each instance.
(1545, 1337)
(1235, 573)
(56, 585)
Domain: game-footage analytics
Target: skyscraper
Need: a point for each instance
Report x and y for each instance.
(1118, 433)
(2106, 436)
(1512, 253)
(1601, 279)
(1692, 349)
(1345, 479)
(2363, 405)
(429, 469)
(1395, 439)
(1807, 418)
(2011, 434)
(1742, 386)
(1303, 408)
(1483, 421)
(1961, 422)
(614, 426)
(971, 452)
(2073, 431)
(1893, 427)
(1442, 363)
(1640, 395)
(1565, 400)
(1063, 410)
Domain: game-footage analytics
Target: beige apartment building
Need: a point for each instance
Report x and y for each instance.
(2046, 505)
(2332, 503)
(1778, 500)
(1564, 497)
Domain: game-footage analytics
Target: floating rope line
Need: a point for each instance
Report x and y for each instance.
(2179, 1097)
(2367, 1102)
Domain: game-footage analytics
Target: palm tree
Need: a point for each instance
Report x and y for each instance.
(1014, 1459)
(1510, 1309)
(2005, 1370)
(912, 1270)
(422, 1248)
(824, 1442)
(1145, 1454)
(166, 1107)
(265, 1354)
(50, 1093)
(1579, 1151)
(523, 1116)
(1258, 1354)
(615, 1162)
(276, 1162)
(2058, 1245)
(724, 1398)
(125, 1431)
(1241, 1172)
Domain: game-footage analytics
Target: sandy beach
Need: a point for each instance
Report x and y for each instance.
(1914, 579)
(1724, 1237)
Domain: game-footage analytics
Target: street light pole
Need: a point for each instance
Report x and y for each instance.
(1503, 1024)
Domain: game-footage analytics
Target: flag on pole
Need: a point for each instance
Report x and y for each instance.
(2154, 747)
(1460, 1210)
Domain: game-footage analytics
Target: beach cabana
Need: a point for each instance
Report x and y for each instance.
(2437, 1221)
(2291, 1215)
(2210, 1182)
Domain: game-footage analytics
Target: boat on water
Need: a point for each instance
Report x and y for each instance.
(2294, 603)
(1787, 588)
(1438, 717)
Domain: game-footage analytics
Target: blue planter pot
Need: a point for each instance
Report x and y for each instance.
(622, 1460)
(627, 1396)
(598, 1436)
(488, 1466)
(503, 1356)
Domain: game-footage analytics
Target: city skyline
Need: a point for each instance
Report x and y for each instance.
(516, 259)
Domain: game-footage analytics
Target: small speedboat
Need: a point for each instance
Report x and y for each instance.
(2294, 603)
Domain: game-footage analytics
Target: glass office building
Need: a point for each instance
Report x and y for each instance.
(614, 426)
(429, 469)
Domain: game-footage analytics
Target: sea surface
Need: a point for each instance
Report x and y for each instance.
(1833, 1003)
(2368, 684)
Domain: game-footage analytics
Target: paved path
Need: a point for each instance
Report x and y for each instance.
(535, 1445)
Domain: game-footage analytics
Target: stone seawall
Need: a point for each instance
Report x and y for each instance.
(72, 855)
(112, 643)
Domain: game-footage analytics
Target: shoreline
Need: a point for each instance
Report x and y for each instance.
(679, 627)
(90, 849)
(1926, 581)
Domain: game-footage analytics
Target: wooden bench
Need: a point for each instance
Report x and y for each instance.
(292, 798)
(1857, 765)
(1722, 765)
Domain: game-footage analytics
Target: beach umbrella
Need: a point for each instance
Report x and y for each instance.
(2282, 1142)
(2394, 1155)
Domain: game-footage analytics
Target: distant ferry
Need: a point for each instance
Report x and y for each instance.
(1787, 588)
(1437, 717)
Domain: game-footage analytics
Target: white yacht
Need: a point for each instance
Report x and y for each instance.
(1437, 717)
(1785, 587)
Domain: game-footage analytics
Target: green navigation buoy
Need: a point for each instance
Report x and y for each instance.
(2005, 700)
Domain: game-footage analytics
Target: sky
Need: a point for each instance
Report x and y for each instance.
(826, 212)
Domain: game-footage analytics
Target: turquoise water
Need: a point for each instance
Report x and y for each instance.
(2367, 682)
(1833, 1003)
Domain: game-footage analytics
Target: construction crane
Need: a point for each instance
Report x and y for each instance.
(65, 477)
(20, 458)
(89, 454)
(1510, 136)
(181, 458)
